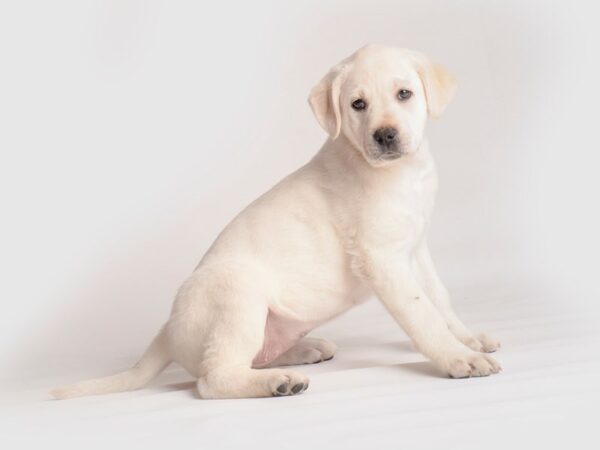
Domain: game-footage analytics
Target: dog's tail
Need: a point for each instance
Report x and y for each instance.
(155, 360)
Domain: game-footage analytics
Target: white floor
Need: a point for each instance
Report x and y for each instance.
(376, 393)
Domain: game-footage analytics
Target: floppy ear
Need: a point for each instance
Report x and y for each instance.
(439, 85)
(324, 99)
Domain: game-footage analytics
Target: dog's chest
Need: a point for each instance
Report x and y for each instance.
(400, 207)
(412, 191)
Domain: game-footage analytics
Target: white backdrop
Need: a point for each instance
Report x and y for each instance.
(131, 132)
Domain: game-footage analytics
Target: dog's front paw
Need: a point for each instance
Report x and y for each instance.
(478, 342)
(488, 344)
(471, 364)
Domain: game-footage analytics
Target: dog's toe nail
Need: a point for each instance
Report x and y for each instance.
(282, 388)
(297, 388)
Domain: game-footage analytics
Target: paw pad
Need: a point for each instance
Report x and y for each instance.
(281, 389)
(284, 389)
(297, 388)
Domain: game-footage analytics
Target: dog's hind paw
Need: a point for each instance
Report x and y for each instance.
(290, 383)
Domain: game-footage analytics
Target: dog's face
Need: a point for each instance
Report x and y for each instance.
(379, 99)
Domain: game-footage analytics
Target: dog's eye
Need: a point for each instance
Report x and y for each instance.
(359, 104)
(404, 94)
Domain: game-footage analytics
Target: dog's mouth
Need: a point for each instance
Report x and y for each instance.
(390, 155)
(380, 156)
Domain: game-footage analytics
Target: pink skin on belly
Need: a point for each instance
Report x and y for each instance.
(281, 334)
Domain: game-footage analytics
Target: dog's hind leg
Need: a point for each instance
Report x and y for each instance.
(226, 368)
(242, 381)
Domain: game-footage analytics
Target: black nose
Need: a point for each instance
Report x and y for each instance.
(386, 137)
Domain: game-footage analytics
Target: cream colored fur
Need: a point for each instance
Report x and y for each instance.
(347, 225)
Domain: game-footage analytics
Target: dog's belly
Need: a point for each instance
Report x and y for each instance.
(281, 334)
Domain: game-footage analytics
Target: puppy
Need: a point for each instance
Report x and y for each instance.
(349, 224)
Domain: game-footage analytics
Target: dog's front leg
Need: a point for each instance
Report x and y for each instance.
(394, 283)
(438, 294)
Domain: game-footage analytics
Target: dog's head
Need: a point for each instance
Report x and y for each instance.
(379, 99)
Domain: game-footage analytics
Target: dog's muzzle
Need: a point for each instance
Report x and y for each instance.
(388, 143)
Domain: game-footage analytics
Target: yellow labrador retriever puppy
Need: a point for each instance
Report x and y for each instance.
(349, 224)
